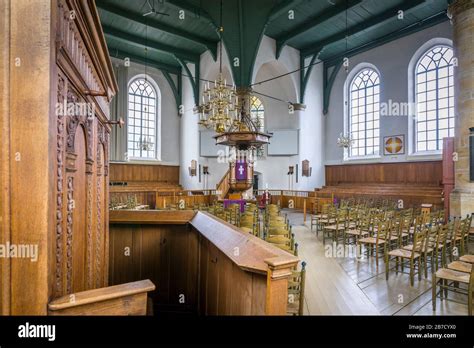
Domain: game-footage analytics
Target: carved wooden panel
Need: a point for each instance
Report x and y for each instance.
(81, 182)
(53, 195)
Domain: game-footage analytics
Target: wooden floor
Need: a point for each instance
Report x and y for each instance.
(347, 286)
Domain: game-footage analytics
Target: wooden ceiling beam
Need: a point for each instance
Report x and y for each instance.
(385, 16)
(313, 22)
(177, 53)
(211, 45)
(283, 8)
(121, 54)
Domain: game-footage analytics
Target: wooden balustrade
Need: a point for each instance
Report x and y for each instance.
(123, 299)
(162, 199)
(199, 263)
(223, 186)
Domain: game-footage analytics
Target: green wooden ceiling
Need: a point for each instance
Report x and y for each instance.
(321, 28)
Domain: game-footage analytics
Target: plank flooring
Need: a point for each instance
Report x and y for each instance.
(347, 286)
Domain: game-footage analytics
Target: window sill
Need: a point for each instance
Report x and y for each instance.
(143, 160)
(431, 155)
(363, 159)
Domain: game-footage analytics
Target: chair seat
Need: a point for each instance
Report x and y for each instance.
(371, 240)
(410, 247)
(278, 240)
(357, 232)
(460, 266)
(327, 221)
(293, 308)
(320, 216)
(467, 258)
(455, 276)
(403, 253)
(334, 227)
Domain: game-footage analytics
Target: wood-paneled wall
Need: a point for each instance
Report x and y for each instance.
(411, 173)
(165, 254)
(128, 172)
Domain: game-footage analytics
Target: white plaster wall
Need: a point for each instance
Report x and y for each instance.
(392, 60)
(170, 121)
(312, 137)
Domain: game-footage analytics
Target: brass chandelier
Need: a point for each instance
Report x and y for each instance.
(219, 109)
(220, 104)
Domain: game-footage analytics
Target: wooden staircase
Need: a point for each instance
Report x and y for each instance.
(223, 186)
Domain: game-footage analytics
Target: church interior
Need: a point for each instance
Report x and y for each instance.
(184, 158)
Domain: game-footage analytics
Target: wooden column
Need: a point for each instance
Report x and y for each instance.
(4, 152)
(279, 270)
(462, 13)
(32, 169)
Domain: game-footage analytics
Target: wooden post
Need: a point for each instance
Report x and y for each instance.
(279, 270)
(304, 210)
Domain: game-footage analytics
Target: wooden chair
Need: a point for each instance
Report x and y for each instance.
(447, 279)
(361, 230)
(336, 230)
(296, 285)
(376, 243)
(412, 257)
(467, 258)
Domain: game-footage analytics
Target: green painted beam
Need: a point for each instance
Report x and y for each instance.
(195, 81)
(176, 88)
(244, 24)
(283, 8)
(120, 54)
(328, 81)
(312, 23)
(305, 74)
(139, 41)
(406, 6)
(211, 45)
(408, 30)
(198, 11)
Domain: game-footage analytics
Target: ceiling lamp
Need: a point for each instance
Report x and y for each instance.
(219, 110)
(345, 141)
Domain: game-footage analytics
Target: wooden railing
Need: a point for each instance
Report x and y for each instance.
(223, 186)
(199, 263)
(123, 299)
(162, 199)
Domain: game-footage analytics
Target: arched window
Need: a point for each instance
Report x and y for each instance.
(257, 113)
(434, 98)
(142, 120)
(364, 113)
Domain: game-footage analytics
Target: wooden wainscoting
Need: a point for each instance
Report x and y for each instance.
(144, 173)
(199, 263)
(410, 183)
(408, 173)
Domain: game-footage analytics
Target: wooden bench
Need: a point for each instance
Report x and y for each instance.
(123, 299)
(412, 195)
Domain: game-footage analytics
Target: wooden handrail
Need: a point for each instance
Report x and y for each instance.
(255, 255)
(104, 301)
(144, 217)
(223, 186)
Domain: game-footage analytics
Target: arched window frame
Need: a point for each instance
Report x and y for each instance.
(157, 91)
(412, 85)
(258, 113)
(347, 109)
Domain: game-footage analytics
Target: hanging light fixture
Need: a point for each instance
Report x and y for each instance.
(219, 110)
(345, 141)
